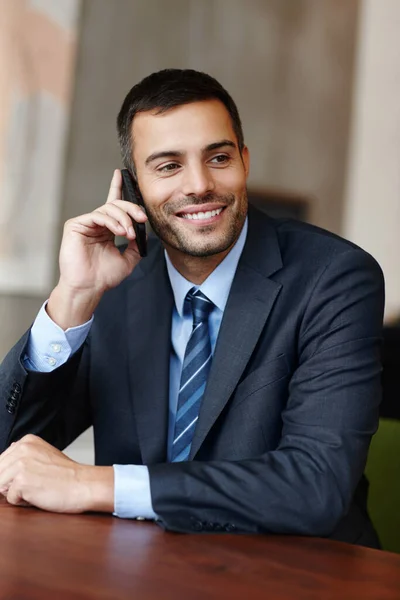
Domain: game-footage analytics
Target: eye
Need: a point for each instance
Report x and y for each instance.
(168, 168)
(220, 159)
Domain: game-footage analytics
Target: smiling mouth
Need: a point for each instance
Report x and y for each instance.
(201, 215)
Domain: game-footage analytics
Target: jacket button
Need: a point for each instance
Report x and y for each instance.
(16, 387)
(230, 527)
(10, 408)
(218, 527)
(197, 525)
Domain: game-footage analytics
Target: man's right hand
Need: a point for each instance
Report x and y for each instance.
(90, 263)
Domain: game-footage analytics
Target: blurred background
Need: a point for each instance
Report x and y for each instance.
(317, 83)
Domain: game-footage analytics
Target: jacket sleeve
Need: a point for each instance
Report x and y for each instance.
(51, 405)
(306, 485)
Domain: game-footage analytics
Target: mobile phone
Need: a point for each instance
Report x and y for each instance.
(132, 194)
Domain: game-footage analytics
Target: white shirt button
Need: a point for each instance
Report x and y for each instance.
(140, 519)
(56, 348)
(52, 361)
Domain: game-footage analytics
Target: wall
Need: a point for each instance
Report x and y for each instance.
(289, 66)
(37, 52)
(372, 213)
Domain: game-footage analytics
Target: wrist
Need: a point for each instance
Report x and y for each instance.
(69, 307)
(97, 488)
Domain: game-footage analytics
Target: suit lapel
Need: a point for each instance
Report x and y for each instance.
(250, 301)
(150, 304)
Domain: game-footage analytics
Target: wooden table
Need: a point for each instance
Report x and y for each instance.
(49, 556)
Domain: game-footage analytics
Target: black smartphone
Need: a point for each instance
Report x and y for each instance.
(132, 193)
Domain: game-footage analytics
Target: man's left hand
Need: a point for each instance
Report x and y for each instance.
(32, 472)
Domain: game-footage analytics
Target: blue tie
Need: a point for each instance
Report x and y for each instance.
(195, 369)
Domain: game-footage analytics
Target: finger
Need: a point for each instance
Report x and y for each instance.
(14, 459)
(136, 211)
(115, 191)
(86, 224)
(4, 455)
(21, 445)
(123, 218)
(13, 465)
(15, 497)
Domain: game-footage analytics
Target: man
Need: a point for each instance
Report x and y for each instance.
(232, 377)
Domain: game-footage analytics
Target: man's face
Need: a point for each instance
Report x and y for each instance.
(192, 176)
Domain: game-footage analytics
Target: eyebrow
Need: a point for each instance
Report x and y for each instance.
(180, 153)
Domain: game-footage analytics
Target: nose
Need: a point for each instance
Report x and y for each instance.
(197, 180)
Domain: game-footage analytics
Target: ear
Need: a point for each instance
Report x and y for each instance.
(246, 160)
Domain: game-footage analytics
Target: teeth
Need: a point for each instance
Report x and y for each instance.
(202, 215)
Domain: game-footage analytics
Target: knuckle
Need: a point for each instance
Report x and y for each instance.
(29, 438)
(23, 448)
(19, 481)
(21, 466)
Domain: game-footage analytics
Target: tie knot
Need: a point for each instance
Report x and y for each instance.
(201, 306)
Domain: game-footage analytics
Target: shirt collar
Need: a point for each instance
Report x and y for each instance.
(217, 285)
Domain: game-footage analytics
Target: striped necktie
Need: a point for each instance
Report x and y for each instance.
(195, 369)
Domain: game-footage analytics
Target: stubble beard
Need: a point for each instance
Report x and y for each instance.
(179, 239)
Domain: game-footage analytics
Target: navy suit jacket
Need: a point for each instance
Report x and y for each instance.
(291, 403)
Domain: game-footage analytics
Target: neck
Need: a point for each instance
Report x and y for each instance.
(195, 269)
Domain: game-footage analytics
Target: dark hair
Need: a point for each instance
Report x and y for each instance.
(164, 90)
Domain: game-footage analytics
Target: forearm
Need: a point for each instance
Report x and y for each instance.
(53, 405)
(12, 380)
(43, 403)
(45, 374)
(280, 492)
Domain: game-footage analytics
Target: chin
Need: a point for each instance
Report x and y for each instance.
(203, 248)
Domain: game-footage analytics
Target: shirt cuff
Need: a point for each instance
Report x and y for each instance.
(132, 496)
(49, 346)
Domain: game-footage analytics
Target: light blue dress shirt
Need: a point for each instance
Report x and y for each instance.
(49, 347)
